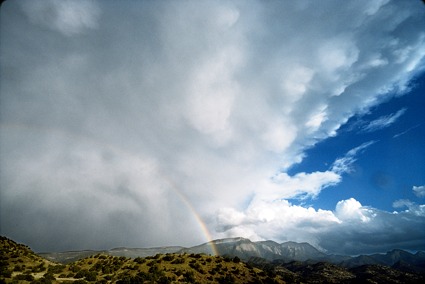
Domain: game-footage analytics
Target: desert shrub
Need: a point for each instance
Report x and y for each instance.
(91, 276)
(56, 268)
(236, 259)
(81, 274)
(74, 268)
(49, 275)
(106, 270)
(26, 277)
(4, 272)
(189, 276)
(227, 279)
(42, 280)
(163, 280)
(168, 257)
(154, 269)
(196, 266)
(179, 260)
(140, 260)
(38, 268)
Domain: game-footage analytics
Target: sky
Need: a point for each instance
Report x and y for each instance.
(153, 123)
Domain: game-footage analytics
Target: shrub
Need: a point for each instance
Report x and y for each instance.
(5, 272)
(91, 276)
(56, 268)
(140, 260)
(81, 274)
(49, 276)
(179, 260)
(168, 257)
(26, 277)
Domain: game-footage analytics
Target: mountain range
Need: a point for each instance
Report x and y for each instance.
(239, 260)
(267, 250)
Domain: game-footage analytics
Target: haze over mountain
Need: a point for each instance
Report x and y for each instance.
(174, 123)
(263, 252)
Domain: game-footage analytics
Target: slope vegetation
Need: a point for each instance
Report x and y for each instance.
(20, 265)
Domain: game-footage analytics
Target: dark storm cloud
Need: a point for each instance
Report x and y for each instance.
(121, 122)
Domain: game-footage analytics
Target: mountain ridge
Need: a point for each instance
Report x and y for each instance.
(269, 250)
(20, 264)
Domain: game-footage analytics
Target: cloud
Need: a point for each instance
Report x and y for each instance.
(70, 17)
(121, 122)
(407, 130)
(419, 191)
(383, 121)
(350, 229)
(344, 164)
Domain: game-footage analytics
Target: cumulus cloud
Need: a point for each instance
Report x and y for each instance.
(349, 229)
(127, 120)
(419, 191)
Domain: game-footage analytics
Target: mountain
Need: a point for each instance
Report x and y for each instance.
(247, 250)
(400, 259)
(270, 250)
(70, 256)
(20, 265)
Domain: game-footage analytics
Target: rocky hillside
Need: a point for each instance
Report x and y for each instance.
(20, 265)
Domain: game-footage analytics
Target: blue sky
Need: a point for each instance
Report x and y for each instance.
(154, 123)
(388, 169)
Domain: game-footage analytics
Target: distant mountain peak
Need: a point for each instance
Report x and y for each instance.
(230, 240)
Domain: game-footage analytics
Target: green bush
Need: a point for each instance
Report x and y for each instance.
(91, 276)
(49, 276)
(139, 260)
(26, 277)
(56, 268)
(4, 272)
(81, 274)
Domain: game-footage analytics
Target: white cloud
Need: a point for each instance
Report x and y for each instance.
(69, 17)
(146, 103)
(412, 207)
(351, 209)
(419, 191)
(350, 229)
(344, 164)
(383, 121)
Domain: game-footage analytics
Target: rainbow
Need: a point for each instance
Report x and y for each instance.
(114, 148)
(195, 214)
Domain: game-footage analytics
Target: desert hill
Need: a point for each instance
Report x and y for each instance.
(189, 265)
(20, 265)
